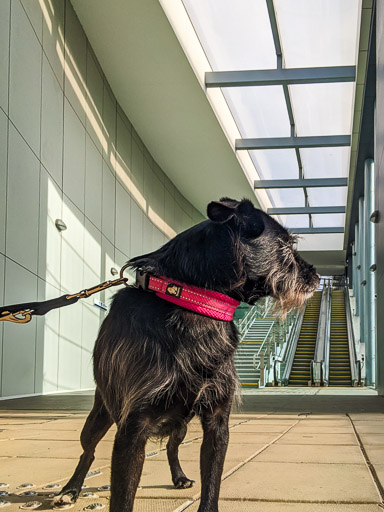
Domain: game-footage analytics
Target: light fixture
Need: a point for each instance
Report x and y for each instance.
(60, 225)
(375, 217)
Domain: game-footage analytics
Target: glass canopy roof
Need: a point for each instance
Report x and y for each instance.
(244, 35)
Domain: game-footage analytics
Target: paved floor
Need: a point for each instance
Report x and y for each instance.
(290, 450)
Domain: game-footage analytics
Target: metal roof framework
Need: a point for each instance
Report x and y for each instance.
(308, 206)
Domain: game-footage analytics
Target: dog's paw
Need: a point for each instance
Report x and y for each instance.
(183, 483)
(66, 498)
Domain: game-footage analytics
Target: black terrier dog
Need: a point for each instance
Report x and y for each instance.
(157, 364)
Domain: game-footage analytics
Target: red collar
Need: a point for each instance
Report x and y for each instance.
(202, 301)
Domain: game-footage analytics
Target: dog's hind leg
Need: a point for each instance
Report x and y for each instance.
(180, 480)
(212, 454)
(95, 428)
(127, 463)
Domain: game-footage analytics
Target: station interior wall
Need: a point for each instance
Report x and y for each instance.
(67, 151)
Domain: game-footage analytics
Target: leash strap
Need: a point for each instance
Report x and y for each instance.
(22, 313)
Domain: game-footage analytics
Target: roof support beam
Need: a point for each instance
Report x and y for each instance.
(280, 76)
(310, 183)
(287, 96)
(315, 231)
(314, 210)
(294, 142)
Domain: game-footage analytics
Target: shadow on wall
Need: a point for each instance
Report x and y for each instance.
(72, 155)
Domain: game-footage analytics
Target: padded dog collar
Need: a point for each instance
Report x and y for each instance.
(202, 301)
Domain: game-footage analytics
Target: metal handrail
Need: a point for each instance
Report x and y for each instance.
(262, 345)
(242, 324)
(261, 353)
(290, 349)
(355, 363)
(320, 363)
(259, 310)
(269, 346)
(277, 333)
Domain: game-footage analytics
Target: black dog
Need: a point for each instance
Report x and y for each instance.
(156, 364)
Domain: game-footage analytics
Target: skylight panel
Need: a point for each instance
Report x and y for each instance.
(321, 242)
(322, 109)
(259, 111)
(318, 33)
(336, 220)
(325, 162)
(293, 221)
(234, 35)
(331, 196)
(287, 197)
(276, 164)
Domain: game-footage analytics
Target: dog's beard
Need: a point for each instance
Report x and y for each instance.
(289, 290)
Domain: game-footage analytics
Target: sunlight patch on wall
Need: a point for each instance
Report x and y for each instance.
(127, 181)
(160, 223)
(46, 15)
(94, 119)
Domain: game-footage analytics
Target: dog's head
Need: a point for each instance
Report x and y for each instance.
(240, 251)
(269, 261)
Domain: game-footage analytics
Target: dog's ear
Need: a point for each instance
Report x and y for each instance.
(246, 208)
(256, 223)
(219, 212)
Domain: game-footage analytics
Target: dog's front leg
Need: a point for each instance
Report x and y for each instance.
(212, 455)
(127, 464)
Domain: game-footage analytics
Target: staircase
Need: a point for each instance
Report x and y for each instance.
(306, 344)
(248, 347)
(339, 363)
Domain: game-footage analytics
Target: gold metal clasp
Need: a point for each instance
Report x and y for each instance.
(19, 317)
(95, 289)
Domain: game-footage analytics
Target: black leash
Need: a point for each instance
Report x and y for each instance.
(22, 313)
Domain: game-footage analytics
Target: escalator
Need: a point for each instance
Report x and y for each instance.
(300, 373)
(339, 359)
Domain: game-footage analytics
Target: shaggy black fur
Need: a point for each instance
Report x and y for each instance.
(156, 364)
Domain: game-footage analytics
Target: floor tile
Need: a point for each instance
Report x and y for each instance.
(301, 482)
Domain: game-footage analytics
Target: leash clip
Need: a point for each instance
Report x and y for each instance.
(19, 317)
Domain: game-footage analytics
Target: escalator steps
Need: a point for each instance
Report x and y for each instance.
(300, 372)
(339, 365)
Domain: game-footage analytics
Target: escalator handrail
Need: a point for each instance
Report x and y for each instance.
(354, 361)
(325, 366)
(290, 350)
(321, 355)
(319, 348)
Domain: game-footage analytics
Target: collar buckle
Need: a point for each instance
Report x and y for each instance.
(142, 280)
